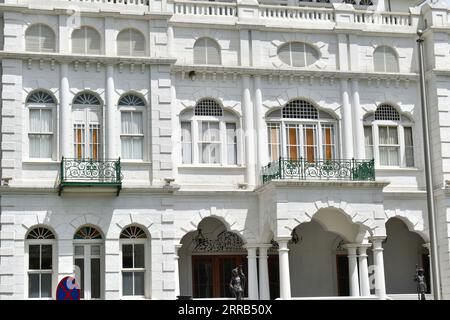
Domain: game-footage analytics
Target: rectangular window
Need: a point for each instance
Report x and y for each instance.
(132, 136)
(186, 143)
(40, 133)
(388, 145)
(310, 142)
(133, 269)
(209, 142)
(274, 138)
(94, 143)
(79, 140)
(328, 147)
(40, 271)
(231, 143)
(368, 142)
(409, 147)
(293, 141)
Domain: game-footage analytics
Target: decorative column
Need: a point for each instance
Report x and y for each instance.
(247, 109)
(170, 40)
(252, 272)
(353, 269)
(285, 279)
(428, 246)
(110, 114)
(358, 128)
(177, 270)
(264, 289)
(380, 285)
(260, 127)
(346, 121)
(363, 270)
(64, 112)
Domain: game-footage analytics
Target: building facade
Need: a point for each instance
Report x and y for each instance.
(151, 146)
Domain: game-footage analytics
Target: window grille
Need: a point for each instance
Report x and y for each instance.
(86, 99)
(40, 233)
(300, 109)
(387, 112)
(133, 232)
(40, 97)
(131, 100)
(208, 107)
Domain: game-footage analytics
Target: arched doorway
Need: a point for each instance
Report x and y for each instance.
(207, 257)
(403, 250)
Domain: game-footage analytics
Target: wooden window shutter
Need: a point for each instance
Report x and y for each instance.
(200, 51)
(32, 38)
(47, 39)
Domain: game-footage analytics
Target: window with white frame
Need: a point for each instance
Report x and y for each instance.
(131, 42)
(40, 242)
(298, 54)
(389, 137)
(132, 127)
(300, 130)
(40, 38)
(385, 59)
(133, 242)
(209, 135)
(86, 40)
(40, 106)
(206, 51)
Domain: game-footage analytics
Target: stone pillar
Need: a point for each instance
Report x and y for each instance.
(64, 112)
(363, 270)
(247, 109)
(252, 273)
(347, 121)
(358, 128)
(170, 40)
(264, 289)
(285, 279)
(380, 285)
(177, 270)
(353, 269)
(110, 114)
(260, 127)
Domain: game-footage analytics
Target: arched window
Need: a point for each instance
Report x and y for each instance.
(40, 38)
(389, 137)
(39, 246)
(133, 244)
(300, 130)
(206, 51)
(385, 59)
(87, 117)
(89, 261)
(209, 135)
(298, 54)
(41, 107)
(130, 42)
(86, 40)
(132, 127)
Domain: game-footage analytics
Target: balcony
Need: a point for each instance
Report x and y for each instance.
(339, 169)
(90, 173)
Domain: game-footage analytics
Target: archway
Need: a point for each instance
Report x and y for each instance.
(403, 250)
(207, 257)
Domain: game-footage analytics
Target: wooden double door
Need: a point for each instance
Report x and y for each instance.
(211, 275)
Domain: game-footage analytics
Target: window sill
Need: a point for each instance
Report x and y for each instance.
(134, 298)
(40, 161)
(397, 169)
(135, 162)
(209, 166)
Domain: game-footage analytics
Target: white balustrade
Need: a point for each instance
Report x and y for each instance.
(391, 19)
(296, 13)
(202, 8)
(123, 2)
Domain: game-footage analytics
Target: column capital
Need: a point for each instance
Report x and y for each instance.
(377, 238)
(377, 242)
(427, 246)
(362, 249)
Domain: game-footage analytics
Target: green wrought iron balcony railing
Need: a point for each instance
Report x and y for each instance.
(90, 172)
(302, 169)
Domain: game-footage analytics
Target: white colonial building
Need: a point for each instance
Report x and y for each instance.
(157, 144)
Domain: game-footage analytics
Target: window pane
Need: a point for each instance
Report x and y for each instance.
(393, 156)
(309, 141)
(95, 278)
(33, 285)
(383, 135)
(127, 149)
(137, 123)
(34, 252)
(138, 145)
(79, 250)
(186, 142)
(46, 262)
(46, 121)
(231, 143)
(35, 145)
(139, 283)
(384, 156)
(127, 256)
(35, 120)
(46, 285)
(273, 130)
(368, 142)
(95, 250)
(392, 135)
(126, 123)
(139, 256)
(127, 283)
(409, 147)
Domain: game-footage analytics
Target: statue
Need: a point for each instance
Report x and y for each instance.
(421, 284)
(237, 283)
